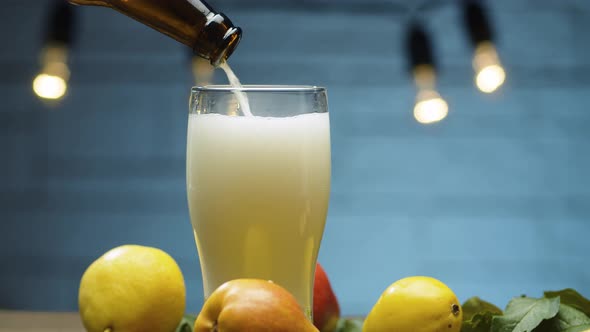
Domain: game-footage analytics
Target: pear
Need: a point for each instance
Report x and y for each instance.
(252, 305)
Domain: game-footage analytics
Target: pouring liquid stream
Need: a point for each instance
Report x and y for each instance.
(243, 103)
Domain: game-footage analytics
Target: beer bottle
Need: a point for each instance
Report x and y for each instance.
(210, 34)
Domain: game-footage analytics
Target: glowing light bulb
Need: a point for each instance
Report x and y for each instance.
(490, 78)
(489, 74)
(202, 71)
(49, 86)
(430, 107)
(52, 82)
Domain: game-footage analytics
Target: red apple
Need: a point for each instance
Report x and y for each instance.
(326, 311)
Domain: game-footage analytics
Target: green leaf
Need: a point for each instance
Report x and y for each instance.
(478, 315)
(350, 325)
(480, 322)
(567, 318)
(572, 298)
(187, 323)
(523, 314)
(581, 328)
(476, 305)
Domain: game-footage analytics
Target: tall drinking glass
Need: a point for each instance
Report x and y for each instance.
(258, 186)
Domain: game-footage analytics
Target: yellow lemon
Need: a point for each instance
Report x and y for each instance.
(132, 289)
(415, 304)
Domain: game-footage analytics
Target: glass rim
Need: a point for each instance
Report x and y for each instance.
(258, 88)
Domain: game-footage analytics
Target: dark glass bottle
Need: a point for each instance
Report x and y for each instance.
(194, 23)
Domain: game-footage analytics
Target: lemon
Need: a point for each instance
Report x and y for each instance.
(415, 304)
(131, 289)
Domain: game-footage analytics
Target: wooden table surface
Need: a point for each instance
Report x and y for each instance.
(25, 321)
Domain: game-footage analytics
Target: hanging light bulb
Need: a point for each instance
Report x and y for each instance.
(202, 70)
(429, 106)
(52, 81)
(489, 73)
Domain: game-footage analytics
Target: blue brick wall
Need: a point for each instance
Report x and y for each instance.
(495, 200)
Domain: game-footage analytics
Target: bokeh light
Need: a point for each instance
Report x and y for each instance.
(431, 110)
(490, 78)
(49, 86)
(489, 73)
(52, 81)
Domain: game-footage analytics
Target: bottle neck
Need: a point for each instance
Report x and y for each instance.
(217, 40)
(211, 35)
